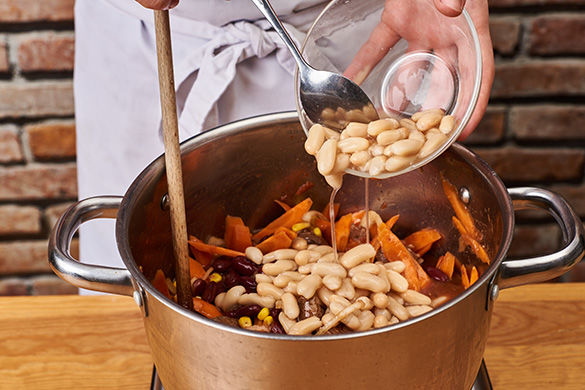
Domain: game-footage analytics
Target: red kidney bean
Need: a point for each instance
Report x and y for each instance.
(275, 327)
(274, 312)
(436, 274)
(198, 287)
(212, 290)
(243, 266)
(222, 264)
(246, 310)
(231, 279)
(249, 283)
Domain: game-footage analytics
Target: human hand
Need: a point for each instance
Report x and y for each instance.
(159, 4)
(420, 25)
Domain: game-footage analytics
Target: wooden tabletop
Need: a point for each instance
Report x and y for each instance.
(537, 341)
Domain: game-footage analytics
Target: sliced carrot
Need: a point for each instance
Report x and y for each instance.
(203, 258)
(460, 209)
(278, 240)
(342, 231)
(289, 218)
(160, 283)
(205, 308)
(422, 240)
(292, 235)
(196, 270)
(335, 210)
(464, 277)
(392, 221)
(446, 263)
(473, 276)
(212, 249)
(475, 246)
(394, 249)
(237, 234)
(284, 206)
(374, 233)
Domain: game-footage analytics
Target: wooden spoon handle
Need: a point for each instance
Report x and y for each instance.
(173, 157)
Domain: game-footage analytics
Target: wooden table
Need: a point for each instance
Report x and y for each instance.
(537, 341)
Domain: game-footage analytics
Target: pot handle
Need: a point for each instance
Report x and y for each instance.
(92, 277)
(540, 269)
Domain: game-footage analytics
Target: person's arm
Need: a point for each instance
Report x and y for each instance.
(159, 4)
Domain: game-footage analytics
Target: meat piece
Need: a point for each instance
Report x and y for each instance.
(311, 237)
(226, 320)
(380, 257)
(357, 234)
(310, 307)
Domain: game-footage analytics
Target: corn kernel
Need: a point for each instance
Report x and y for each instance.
(268, 320)
(215, 277)
(297, 227)
(263, 314)
(245, 322)
(317, 232)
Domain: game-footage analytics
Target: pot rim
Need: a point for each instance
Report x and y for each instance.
(154, 171)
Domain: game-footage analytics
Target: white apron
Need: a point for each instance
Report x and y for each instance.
(224, 71)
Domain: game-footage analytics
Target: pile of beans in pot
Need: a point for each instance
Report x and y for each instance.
(382, 146)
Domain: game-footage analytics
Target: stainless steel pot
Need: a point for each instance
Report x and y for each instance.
(240, 168)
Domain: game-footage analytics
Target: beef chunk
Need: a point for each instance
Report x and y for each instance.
(310, 307)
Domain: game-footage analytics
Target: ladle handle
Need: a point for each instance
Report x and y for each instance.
(268, 12)
(543, 268)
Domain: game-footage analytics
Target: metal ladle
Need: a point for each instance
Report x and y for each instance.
(323, 93)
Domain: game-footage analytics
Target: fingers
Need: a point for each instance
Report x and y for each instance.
(159, 4)
(449, 7)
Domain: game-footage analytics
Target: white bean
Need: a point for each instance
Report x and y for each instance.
(218, 301)
(383, 274)
(390, 136)
(262, 278)
(393, 321)
(369, 282)
(255, 299)
(254, 254)
(232, 297)
(409, 124)
(406, 147)
(397, 309)
(366, 303)
(269, 290)
(376, 165)
(305, 326)
(331, 134)
(366, 320)
(332, 269)
(279, 254)
(428, 120)
(341, 163)
(357, 255)
(376, 127)
(327, 317)
(376, 150)
(303, 257)
(360, 158)
(432, 143)
(346, 290)
(290, 305)
(383, 312)
(326, 157)
(447, 124)
(396, 163)
(305, 269)
(397, 281)
(380, 322)
(281, 280)
(278, 267)
(291, 287)
(328, 258)
(415, 298)
(311, 214)
(356, 129)
(416, 135)
(418, 310)
(380, 300)
(309, 285)
(299, 243)
(365, 267)
(324, 295)
(322, 249)
(396, 266)
(286, 322)
(415, 117)
(332, 282)
(353, 144)
(334, 181)
(438, 301)
(396, 297)
(315, 139)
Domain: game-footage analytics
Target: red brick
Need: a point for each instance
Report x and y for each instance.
(557, 34)
(539, 78)
(535, 164)
(51, 285)
(53, 213)
(574, 194)
(491, 128)
(10, 148)
(13, 287)
(548, 122)
(46, 51)
(4, 64)
(534, 240)
(26, 257)
(38, 182)
(19, 220)
(52, 140)
(528, 3)
(35, 10)
(505, 33)
(36, 99)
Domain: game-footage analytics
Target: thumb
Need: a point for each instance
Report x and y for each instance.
(449, 7)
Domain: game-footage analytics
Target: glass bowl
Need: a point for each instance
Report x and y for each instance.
(428, 60)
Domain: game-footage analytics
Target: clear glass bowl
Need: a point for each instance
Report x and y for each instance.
(432, 61)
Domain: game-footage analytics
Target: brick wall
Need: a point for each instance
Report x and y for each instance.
(532, 134)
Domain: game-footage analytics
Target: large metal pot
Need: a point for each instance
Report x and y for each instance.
(240, 168)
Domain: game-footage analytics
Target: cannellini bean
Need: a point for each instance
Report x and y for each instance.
(326, 157)
(360, 158)
(396, 266)
(397, 309)
(366, 318)
(356, 129)
(415, 298)
(438, 301)
(219, 299)
(398, 282)
(396, 163)
(309, 285)
(290, 307)
(390, 136)
(322, 249)
(357, 255)
(332, 269)
(255, 299)
(380, 322)
(380, 300)
(366, 303)
(324, 295)
(293, 275)
(393, 321)
(418, 310)
(416, 135)
(254, 254)
(433, 131)
(232, 297)
(328, 258)
(407, 123)
(279, 254)
(368, 281)
(332, 282)
(315, 139)
(303, 257)
(415, 117)
(291, 287)
(406, 147)
(336, 298)
(305, 326)
(377, 127)
(370, 112)
(278, 267)
(383, 274)
(396, 297)
(343, 135)
(383, 312)
(373, 219)
(447, 124)
(428, 120)
(353, 144)
(360, 292)
(281, 281)
(327, 317)
(299, 243)
(376, 150)
(334, 181)
(286, 322)
(341, 163)
(311, 214)
(263, 278)
(269, 290)
(432, 143)
(305, 269)
(352, 322)
(331, 134)
(365, 267)
(346, 290)
(376, 165)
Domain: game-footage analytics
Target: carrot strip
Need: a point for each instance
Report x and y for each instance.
(461, 210)
(374, 233)
(464, 277)
(394, 249)
(212, 249)
(237, 234)
(289, 218)
(160, 283)
(292, 235)
(284, 206)
(446, 263)
(473, 276)
(205, 308)
(422, 240)
(342, 231)
(203, 258)
(325, 211)
(278, 240)
(196, 270)
(475, 246)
